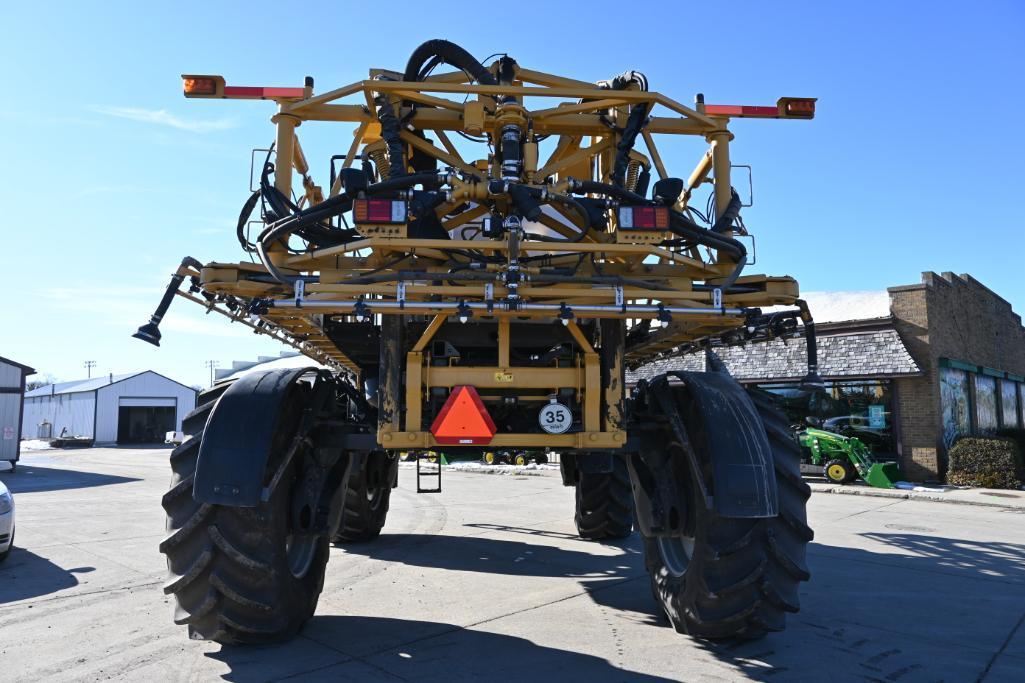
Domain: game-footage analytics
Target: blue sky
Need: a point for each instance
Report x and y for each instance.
(914, 162)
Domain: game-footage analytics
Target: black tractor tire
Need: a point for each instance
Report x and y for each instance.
(837, 465)
(605, 503)
(230, 569)
(740, 577)
(364, 509)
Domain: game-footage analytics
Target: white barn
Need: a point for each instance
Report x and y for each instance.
(12, 388)
(134, 408)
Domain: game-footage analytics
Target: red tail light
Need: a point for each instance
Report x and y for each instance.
(202, 86)
(379, 211)
(797, 107)
(643, 218)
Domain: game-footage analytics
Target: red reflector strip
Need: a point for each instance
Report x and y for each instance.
(741, 111)
(263, 93)
(463, 420)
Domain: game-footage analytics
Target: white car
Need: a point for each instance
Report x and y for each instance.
(6, 522)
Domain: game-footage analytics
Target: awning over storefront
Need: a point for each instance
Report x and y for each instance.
(878, 352)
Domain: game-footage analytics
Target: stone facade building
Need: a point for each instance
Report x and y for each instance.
(907, 370)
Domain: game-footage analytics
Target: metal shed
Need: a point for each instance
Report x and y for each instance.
(132, 408)
(12, 389)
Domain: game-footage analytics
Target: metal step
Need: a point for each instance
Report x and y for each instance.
(427, 470)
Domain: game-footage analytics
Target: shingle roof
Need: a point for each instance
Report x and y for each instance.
(78, 385)
(862, 354)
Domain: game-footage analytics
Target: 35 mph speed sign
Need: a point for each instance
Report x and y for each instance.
(555, 418)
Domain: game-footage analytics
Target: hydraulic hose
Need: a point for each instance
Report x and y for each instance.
(634, 123)
(390, 133)
(333, 206)
(449, 53)
(725, 222)
(592, 187)
(678, 224)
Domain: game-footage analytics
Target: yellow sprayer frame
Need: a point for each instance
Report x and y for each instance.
(587, 119)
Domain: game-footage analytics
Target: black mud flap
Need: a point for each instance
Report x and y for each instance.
(723, 427)
(238, 436)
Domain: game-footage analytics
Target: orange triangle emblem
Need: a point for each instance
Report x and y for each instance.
(463, 420)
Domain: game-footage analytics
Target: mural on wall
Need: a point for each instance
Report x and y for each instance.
(954, 395)
(986, 419)
(1008, 404)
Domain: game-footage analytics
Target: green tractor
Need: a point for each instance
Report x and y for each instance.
(842, 459)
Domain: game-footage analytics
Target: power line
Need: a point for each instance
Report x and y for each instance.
(89, 365)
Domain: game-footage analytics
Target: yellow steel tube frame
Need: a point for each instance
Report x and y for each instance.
(670, 272)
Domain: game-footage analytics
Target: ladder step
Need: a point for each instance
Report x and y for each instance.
(423, 473)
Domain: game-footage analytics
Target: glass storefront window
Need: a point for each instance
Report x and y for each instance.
(1021, 402)
(858, 408)
(1008, 404)
(957, 421)
(986, 421)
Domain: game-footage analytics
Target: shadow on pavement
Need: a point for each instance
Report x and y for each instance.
(419, 650)
(902, 612)
(30, 478)
(26, 575)
(596, 573)
(944, 612)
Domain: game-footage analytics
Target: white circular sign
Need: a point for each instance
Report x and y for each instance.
(555, 418)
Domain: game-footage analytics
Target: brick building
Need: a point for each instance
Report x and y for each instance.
(907, 370)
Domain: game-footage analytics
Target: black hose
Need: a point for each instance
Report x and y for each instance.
(450, 53)
(592, 187)
(391, 134)
(634, 123)
(623, 80)
(243, 218)
(525, 201)
(333, 206)
(725, 222)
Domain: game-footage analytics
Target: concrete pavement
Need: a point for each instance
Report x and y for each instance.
(487, 581)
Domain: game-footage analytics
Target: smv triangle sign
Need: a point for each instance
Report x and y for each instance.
(463, 420)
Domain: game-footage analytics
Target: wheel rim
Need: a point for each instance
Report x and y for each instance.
(676, 552)
(520, 460)
(836, 472)
(489, 458)
(299, 550)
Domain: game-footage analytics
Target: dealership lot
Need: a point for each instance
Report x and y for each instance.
(487, 581)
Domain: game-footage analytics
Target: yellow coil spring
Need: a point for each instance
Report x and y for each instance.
(633, 169)
(380, 158)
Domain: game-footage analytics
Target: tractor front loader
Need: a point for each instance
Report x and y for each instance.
(488, 256)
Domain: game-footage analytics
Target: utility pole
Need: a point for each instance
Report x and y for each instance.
(89, 365)
(212, 364)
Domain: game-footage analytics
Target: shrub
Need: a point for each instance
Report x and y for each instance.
(1018, 437)
(992, 463)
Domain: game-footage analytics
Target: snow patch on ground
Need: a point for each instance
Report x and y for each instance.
(36, 445)
(533, 469)
(909, 486)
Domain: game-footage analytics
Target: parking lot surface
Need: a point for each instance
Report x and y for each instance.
(488, 581)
